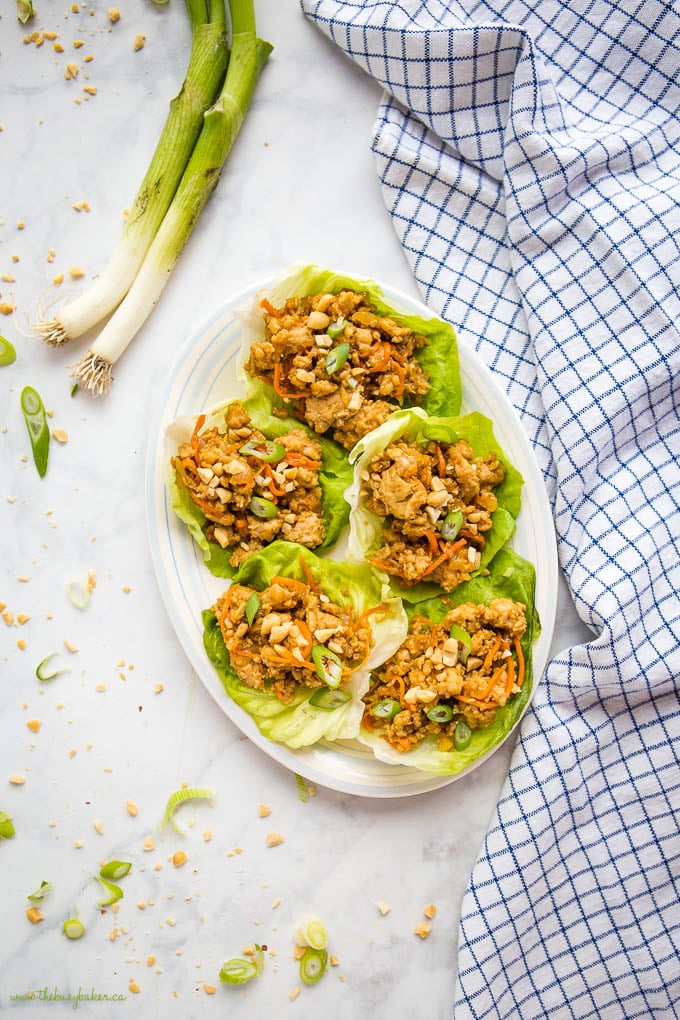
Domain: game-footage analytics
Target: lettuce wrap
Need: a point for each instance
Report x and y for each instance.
(438, 358)
(514, 578)
(334, 478)
(299, 723)
(415, 426)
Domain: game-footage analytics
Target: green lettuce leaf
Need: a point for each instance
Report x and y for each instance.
(415, 425)
(512, 577)
(335, 477)
(300, 724)
(439, 358)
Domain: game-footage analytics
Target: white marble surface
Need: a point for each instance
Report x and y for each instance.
(300, 184)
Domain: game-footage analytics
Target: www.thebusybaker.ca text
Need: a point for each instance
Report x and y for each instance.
(75, 998)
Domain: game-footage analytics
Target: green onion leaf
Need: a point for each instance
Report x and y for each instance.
(263, 449)
(73, 928)
(336, 358)
(337, 328)
(39, 895)
(440, 713)
(313, 965)
(451, 525)
(311, 932)
(74, 389)
(303, 792)
(41, 669)
(263, 508)
(115, 870)
(386, 709)
(328, 699)
(7, 353)
(462, 735)
(7, 830)
(115, 893)
(328, 666)
(237, 970)
(36, 422)
(179, 797)
(252, 606)
(464, 641)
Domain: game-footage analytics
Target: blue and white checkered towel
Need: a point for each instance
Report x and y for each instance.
(529, 155)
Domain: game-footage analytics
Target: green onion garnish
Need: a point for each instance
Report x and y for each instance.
(303, 792)
(328, 666)
(462, 735)
(313, 965)
(336, 358)
(252, 606)
(39, 895)
(7, 830)
(179, 797)
(440, 713)
(263, 449)
(386, 709)
(337, 328)
(74, 389)
(237, 970)
(464, 641)
(451, 525)
(329, 699)
(115, 870)
(73, 928)
(311, 932)
(7, 352)
(78, 593)
(25, 11)
(36, 422)
(115, 893)
(41, 669)
(263, 508)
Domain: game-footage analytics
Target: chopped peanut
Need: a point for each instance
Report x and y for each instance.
(139, 41)
(263, 811)
(34, 915)
(179, 858)
(422, 929)
(274, 839)
(430, 910)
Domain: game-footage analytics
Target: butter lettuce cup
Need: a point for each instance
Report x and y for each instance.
(330, 350)
(432, 502)
(462, 679)
(240, 478)
(294, 639)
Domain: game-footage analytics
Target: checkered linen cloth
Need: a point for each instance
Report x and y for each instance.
(529, 155)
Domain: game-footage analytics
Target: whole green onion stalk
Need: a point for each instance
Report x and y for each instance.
(202, 82)
(221, 126)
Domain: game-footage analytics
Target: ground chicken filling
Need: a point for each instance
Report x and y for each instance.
(436, 680)
(253, 490)
(290, 635)
(344, 366)
(436, 500)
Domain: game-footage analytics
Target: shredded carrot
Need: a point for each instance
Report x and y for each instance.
(200, 422)
(368, 720)
(289, 582)
(425, 621)
(385, 566)
(496, 677)
(476, 702)
(401, 372)
(433, 542)
(441, 459)
(520, 661)
(273, 488)
(290, 660)
(307, 635)
(492, 653)
(297, 459)
(437, 562)
(381, 608)
(268, 307)
(401, 684)
(311, 580)
(386, 355)
(276, 383)
(404, 743)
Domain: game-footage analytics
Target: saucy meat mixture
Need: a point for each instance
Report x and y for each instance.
(253, 490)
(459, 670)
(290, 634)
(345, 366)
(436, 500)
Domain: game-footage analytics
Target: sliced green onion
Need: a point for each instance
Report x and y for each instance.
(329, 699)
(41, 669)
(25, 11)
(386, 709)
(39, 895)
(36, 422)
(73, 928)
(337, 328)
(451, 525)
(74, 389)
(180, 797)
(303, 792)
(311, 932)
(221, 125)
(237, 970)
(115, 870)
(263, 508)
(7, 353)
(462, 735)
(7, 830)
(252, 606)
(328, 666)
(203, 77)
(336, 358)
(78, 593)
(263, 449)
(313, 965)
(114, 892)
(464, 641)
(440, 713)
